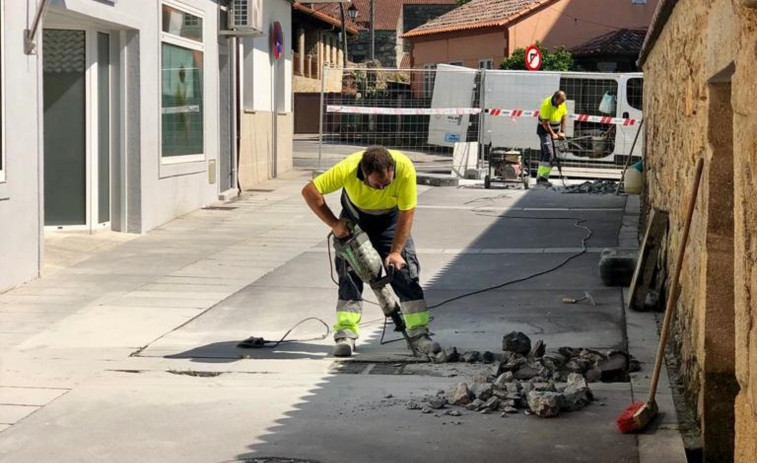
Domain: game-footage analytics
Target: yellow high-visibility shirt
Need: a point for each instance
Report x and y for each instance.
(551, 113)
(401, 193)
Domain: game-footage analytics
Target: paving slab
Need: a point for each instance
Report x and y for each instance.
(335, 418)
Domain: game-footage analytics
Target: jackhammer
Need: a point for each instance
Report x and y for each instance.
(356, 249)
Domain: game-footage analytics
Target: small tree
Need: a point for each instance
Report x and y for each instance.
(559, 59)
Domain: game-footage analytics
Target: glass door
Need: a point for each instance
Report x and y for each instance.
(77, 128)
(65, 126)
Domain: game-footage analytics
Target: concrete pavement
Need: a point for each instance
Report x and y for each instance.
(130, 355)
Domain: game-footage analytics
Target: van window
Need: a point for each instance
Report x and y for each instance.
(635, 92)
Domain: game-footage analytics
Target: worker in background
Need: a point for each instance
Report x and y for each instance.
(379, 195)
(552, 117)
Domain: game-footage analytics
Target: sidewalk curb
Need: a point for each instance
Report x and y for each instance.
(662, 443)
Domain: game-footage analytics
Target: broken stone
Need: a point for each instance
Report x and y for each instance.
(452, 354)
(500, 393)
(545, 404)
(554, 360)
(388, 396)
(514, 387)
(482, 391)
(514, 397)
(459, 394)
(472, 356)
(455, 413)
(527, 372)
(577, 394)
(614, 368)
(537, 351)
(481, 378)
(426, 410)
(485, 411)
(634, 365)
(413, 405)
(487, 357)
(593, 375)
(503, 379)
(569, 352)
(437, 403)
(578, 365)
(516, 342)
(525, 388)
(475, 405)
(492, 404)
(545, 387)
(441, 357)
(511, 410)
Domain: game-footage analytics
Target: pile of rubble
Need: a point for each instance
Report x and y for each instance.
(528, 377)
(598, 186)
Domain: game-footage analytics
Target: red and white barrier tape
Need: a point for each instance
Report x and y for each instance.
(577, 117)
(401, 111)
(469, 111)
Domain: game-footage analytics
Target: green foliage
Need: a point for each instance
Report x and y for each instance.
(558, 59)
(462, 2)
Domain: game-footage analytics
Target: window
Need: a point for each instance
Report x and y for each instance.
(429, 73)
(639, 2)
(485, 63)
(182, 102)
(456, 63)
(635, 92)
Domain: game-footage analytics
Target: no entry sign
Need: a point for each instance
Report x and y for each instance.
(533, 58)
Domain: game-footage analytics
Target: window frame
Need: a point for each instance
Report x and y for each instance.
(485, 61)
(428, 82)
(193, 45)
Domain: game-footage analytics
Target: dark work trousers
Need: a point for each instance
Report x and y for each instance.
(380, 229)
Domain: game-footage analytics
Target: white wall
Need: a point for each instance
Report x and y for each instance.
(267, 84)
(20, 194)
(165, 191)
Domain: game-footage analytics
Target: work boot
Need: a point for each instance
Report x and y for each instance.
(344, 347)
(425, 345)
(541, 181)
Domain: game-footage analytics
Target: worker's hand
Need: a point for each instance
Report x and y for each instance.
(340, 229)
(395, 259)
(560, 136)
(555, 136)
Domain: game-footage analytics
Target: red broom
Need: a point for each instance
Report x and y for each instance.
(639, 414)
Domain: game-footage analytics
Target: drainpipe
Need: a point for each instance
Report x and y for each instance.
(30, 47)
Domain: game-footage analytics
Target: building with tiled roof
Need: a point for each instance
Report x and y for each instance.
(615, 51)
(390, 19)
(481, 33)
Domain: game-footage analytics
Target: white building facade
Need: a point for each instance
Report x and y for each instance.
(130, 113)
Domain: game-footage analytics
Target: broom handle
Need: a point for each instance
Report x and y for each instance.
(674, 286)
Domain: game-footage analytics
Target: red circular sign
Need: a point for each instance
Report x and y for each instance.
(277, 40)
(533, 58)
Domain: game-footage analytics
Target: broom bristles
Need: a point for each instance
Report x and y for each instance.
(626, 422)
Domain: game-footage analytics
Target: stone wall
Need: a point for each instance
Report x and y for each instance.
(745, 227)
(359, 48)
(690, 107)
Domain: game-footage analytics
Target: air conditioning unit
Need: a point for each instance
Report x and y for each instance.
(245, 17)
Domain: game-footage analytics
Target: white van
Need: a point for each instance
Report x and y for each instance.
(593, 94)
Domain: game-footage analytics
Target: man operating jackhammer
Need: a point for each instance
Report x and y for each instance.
(379, 196)
(552, 117)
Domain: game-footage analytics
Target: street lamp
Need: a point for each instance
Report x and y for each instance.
(352, 12)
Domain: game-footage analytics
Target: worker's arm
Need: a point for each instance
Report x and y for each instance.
(548, 128)
(317, 204)
(404, 225)
(563, 121)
